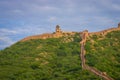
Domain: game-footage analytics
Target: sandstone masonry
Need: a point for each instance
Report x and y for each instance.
(58, 33)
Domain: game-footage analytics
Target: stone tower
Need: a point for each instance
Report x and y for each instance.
(58, 30)
(118, 25)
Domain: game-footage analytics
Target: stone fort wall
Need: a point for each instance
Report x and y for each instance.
(104, 32)
(59, 33)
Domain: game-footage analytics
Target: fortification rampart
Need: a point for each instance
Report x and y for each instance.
(58, 33)
(104, 32)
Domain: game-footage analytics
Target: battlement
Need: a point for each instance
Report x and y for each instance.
(58, 33)
(104, 32)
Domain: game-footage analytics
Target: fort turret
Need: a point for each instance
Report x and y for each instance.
(118, 25)
(58, 30)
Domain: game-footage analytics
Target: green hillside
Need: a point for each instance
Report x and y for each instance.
(103, 53)
(58, 58)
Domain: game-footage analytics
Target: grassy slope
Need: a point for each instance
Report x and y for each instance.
(103, 53)
(50, 59)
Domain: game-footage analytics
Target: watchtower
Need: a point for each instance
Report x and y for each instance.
(58, 30)
(118, 25)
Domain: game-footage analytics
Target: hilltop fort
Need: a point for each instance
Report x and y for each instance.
(59, 33)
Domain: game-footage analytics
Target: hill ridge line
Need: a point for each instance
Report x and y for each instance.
(59, 33)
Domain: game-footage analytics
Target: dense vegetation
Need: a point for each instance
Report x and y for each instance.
(103, 53)
(50, 59)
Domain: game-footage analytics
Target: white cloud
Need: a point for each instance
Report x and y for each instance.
(116, 7)
(17, 12)
(36, 8)
(47, 8)
(52, 18)
(4, 31)
(5, 39)
(5, 42)
(110, 5)
(7, 31)
(102, 20)
(26, 29)
(9, 36)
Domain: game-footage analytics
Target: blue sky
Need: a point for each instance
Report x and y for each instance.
(21, 18)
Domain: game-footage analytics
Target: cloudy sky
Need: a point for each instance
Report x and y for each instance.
(21, 18)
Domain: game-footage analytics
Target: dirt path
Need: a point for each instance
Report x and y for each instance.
(85, 66)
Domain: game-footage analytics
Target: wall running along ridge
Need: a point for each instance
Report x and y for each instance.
(59, 33)
(84, 35)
